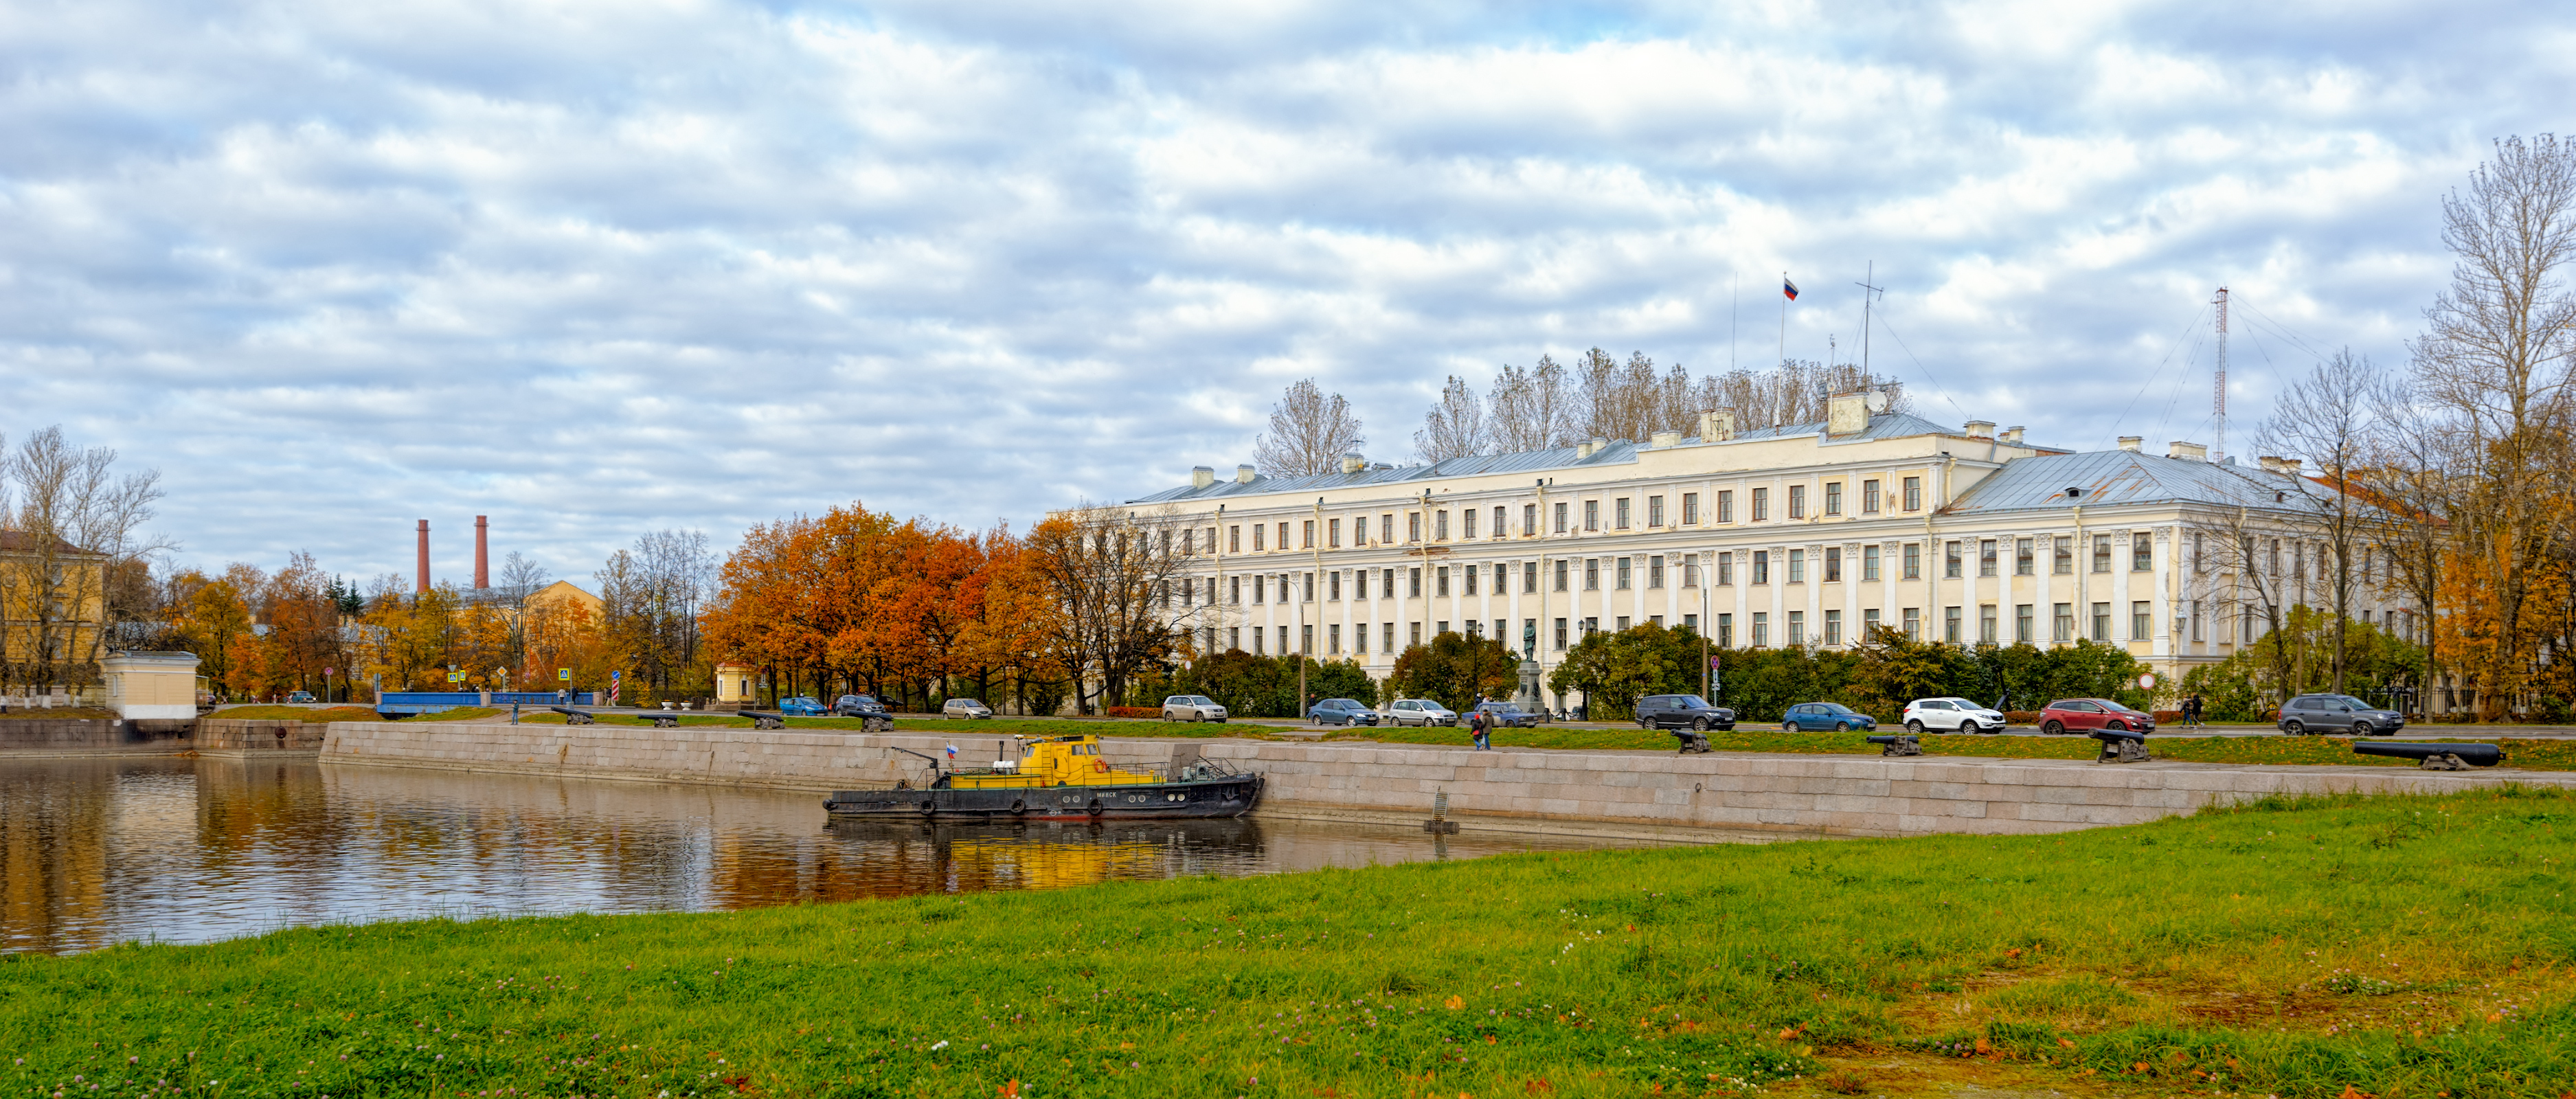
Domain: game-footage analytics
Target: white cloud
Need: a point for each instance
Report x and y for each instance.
(594, 269)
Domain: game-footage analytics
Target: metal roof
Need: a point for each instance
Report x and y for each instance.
(1886, 425)
(2103, 477)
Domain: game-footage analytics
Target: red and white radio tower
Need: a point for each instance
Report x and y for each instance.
(2219, 402)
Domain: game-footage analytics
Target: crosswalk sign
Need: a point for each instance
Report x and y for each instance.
(564, 674)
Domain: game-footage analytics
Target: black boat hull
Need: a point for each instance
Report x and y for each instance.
(1232, 796)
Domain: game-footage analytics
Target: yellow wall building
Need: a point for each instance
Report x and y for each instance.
(71, 579)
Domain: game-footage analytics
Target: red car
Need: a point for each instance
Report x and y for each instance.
(2083, 715)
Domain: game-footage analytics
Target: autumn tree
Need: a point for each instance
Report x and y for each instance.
(1111, 573)
(1455, 427)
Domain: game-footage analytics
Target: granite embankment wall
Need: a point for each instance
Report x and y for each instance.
(38, 737)
(258, 736)
(1721, 796)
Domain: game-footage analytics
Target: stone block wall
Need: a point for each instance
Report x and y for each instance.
(1643, 794)
(258, 735)
(93, 736)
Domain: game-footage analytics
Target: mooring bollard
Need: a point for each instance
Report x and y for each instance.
(1440, 824)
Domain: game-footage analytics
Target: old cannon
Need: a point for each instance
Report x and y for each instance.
(2433, 757)
(573, 716)
(2121, 746)
(760, 720)
(1899, 744)
(1693, 741)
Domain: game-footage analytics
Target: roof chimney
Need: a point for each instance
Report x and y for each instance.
(2010, 436)
(1662, 439)
(2189, 452)
(1243, 474)
(1847, 414)
(423, 556)
(1582, 450)
(2130, 442)
(1717, 425)
(482, 554)
(1981, 429)
(1202, 476)
(2271, 463)
(1353, 463)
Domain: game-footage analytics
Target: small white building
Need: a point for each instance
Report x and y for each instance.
(152, 685)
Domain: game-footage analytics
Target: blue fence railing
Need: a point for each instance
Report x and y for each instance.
(430, 702)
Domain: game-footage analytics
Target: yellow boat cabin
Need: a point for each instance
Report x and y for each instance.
(1052, 761)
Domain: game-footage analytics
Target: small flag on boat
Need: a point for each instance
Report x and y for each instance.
(1789, 288)
(952, 751)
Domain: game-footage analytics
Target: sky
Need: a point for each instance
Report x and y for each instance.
(595, 269)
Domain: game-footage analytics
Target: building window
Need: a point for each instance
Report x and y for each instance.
(1690, 570)
(2022, 624)
(1467, 523)
(1797, 627)
(1560, 517)
(1283, 543)
(1950, 625)
(1560, 635)
(1797, 501)
(1560, 574)
(1529, 576)
(1475, 629)
(1234, 638)
(1762, 566)
(1726, 506)
(1914, 560)
(2199, 559)
(2062, 630)
(1621, 625)
(1260, 588)
(1869, 562)
(1869, 497)
(1726, 631)
(1258, 529)
(1914, 494)
(2101, 553)
(1986, 626)
(1869, 625)
(1985, 557)
(1333, 534)
(1833, 501)
(1359, 639)
(1591, 626)
(1386, 528)
(1388, 646)
(1412, 526)
(1592, 515)
(2021, 557)
(1234, 539)
(1334, 580)
(1440, 526)
(1413, 630)
(1498, 522)
(1833, 564)
(2101, 622)
(1761, 629)
(1761, 504)
(1529, 520)
(2142, 551)
(1413, 582)
(2141, 627)
(1592, 574)
(1726, 568)
(1950, 560)
(1234, 589)
(1333, 641)
(2063, 560)
(1833, 627)
(1619, 512)
(1797, 566)
(1655, 570)
(1690, 509)
(1257, 633)
(1654, 511)
(1914, 623)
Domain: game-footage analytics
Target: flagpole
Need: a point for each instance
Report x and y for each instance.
(1784, 319)
(1734, 306)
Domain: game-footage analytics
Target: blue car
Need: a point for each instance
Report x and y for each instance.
(1341, 711)
(1825, 716)
(801, 706)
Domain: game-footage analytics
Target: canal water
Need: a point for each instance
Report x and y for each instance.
(101, 851)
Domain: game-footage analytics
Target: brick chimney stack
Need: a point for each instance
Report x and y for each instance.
(482, 555)
(423, 557)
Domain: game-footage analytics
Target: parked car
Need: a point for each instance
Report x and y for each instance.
(1192, 708)
(300, 696)
(1682, 712)
(856, 706)
(1505, 715)
(967, 708)
(2083, 715)
(1952, 715)
(1807, 716)
(1420, 711)
(2335, 714)
(1341, 711)
(801, 706)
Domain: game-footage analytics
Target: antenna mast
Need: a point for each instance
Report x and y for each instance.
(2219, 400)
(1868, 293)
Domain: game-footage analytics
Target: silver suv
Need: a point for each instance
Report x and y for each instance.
(1192, 708)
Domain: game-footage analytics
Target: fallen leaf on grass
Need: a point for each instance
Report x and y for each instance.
(1453, 1003)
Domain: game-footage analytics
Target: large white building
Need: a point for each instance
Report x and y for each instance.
(1799, 535)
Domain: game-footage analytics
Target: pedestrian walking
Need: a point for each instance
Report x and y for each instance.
(2191, 712)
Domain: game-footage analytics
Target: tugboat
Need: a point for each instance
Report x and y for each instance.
(1055, 778)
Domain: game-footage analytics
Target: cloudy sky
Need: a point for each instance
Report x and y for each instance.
(599, 268)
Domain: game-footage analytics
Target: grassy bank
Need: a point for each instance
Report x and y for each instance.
(2399, 947)
(2537, 755)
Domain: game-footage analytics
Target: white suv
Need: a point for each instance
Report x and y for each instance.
(1192, 708)
(1420, 711)
(1951, 715)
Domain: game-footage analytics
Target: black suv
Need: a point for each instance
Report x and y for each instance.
(2337, 713)
(1682, 712)
(1505, 715)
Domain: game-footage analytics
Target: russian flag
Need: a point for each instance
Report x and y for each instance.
(1789, 288)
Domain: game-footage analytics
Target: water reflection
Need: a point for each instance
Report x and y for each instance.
(186, 850)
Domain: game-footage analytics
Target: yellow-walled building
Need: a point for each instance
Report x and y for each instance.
(72, 579)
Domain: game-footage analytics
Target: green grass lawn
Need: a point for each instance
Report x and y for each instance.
(2399, 947)
(2538, 755)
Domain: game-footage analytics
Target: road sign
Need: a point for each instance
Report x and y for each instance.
(456, 677)
(564, 674)
(1713, 662)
